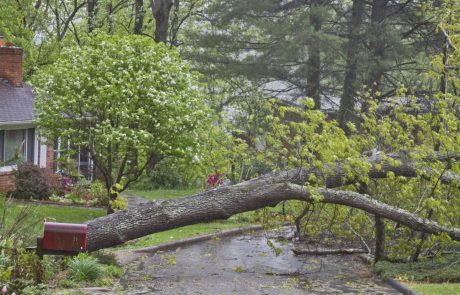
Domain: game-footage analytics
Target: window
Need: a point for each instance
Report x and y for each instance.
(17, 144)
(14, 144)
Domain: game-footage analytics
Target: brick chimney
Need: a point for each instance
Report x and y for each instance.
(10, 63)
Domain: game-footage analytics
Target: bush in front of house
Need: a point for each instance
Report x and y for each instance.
(31, 182)
(99, 192)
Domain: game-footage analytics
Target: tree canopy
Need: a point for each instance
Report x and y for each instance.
(128, 101)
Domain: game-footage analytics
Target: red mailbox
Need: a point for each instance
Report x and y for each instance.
(65, 237)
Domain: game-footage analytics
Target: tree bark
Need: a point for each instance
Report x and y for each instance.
(266, 190)
(139, 16)
(379, 239)
(91, 8)
(377, 46)
(161, 10)
(223, 202)
(350, 84)
(314, 55)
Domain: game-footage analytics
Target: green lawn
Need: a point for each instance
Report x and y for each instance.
(436, 271)
(435, 289)
(32, 226)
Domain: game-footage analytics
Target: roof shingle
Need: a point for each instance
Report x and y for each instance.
(16, 103)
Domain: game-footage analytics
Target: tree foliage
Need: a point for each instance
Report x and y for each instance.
(128, 101)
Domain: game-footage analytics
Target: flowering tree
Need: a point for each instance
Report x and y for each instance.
(127, 101)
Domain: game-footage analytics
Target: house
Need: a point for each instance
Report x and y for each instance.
(19, 137)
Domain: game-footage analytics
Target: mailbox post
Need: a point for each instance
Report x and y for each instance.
(62, 239)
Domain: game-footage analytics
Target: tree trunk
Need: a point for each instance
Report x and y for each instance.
(223, 202)
(350, 84)
(314, 55)
(91, 8)
(266, 190)
(160, 10)
(423, 236)
(139, 16)
(377, 46)
(379, 239)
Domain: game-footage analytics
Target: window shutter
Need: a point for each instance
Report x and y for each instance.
(2, 135)
(30, 144)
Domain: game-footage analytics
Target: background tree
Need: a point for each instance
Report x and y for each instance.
(127, 101)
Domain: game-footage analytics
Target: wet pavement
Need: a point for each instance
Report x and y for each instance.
(248, 265)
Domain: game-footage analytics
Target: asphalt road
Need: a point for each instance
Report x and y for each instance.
(248, 265)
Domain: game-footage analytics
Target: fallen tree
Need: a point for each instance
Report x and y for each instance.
(223, 202)
(324, 251)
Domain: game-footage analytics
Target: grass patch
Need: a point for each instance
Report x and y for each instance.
(163, 193)
(435, 289)
(436, 270)
(33, 224)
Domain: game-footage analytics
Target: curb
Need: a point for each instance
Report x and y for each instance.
(398, 286)
(129, 255)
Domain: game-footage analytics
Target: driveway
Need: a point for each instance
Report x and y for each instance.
(247, 265)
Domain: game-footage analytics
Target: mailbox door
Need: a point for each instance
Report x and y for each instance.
(64, 237)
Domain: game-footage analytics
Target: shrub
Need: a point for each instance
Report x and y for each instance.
(80, 191)
(31, 182)
(171, 173)
(85, 268)
(20, 269)
(55, 183)
(119, 203)
(99, 193)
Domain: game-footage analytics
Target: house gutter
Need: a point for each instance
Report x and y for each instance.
(9, 124)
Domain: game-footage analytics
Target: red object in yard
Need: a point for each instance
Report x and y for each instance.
(64, 237)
